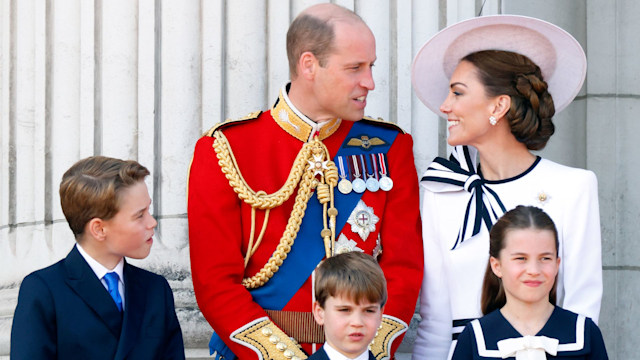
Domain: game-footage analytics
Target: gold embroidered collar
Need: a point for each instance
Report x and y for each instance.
(297, 124)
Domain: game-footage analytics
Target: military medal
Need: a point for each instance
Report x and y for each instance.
(359, 185)
(318, 165)
(386, 183)
(344, 185)
(372, 184)
(372, 181)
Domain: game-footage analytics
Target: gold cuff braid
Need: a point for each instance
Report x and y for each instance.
(271, 342)
(390, 328)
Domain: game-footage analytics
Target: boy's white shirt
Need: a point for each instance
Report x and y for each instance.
(334, 354)
(101, 271)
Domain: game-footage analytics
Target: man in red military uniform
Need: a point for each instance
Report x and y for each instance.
(273, 194)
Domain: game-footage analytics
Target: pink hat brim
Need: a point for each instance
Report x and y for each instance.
(558, 54)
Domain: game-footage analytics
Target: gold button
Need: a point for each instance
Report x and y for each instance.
(281, 346)
(266, 331)
(288, 354)
(274, 339)
(542, 197)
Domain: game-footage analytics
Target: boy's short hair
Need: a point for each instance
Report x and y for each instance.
(355, 275)
(91, 188)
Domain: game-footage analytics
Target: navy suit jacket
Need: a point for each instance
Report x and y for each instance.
(64, 312)
(320, 354)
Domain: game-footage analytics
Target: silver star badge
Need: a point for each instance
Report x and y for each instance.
(344, 245)
(363, 221)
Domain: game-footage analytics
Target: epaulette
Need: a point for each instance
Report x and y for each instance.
(229, 122)
(384, 123)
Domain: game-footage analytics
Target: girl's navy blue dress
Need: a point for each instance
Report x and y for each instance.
(579, 337)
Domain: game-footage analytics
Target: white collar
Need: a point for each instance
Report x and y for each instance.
(98, 268)
(334, 354)
(574, 346)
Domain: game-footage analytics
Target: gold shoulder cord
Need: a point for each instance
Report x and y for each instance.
(309, 162)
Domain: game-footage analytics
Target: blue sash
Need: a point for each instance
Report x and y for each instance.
(308, 249)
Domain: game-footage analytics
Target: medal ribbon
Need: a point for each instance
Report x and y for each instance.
(356, 168)
(343, 174)
(365, 170)
(375, 165)
(383, 164)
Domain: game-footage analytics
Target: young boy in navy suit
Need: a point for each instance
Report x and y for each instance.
(350, 291)
(93, 304)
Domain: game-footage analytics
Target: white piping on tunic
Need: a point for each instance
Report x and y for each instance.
(482, 347)
(579, 344)
(244, 343)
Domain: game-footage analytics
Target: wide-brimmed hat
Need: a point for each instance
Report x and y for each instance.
(557, 53)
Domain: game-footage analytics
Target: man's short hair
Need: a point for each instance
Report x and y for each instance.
(308, 33)
(312, 33)
(91, 188)
(354, 275)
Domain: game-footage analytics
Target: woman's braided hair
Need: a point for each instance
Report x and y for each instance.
(515, 75)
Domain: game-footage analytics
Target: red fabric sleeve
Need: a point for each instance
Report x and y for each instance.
(401, 234)
(217, 262)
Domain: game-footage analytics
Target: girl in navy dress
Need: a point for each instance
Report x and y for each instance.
(518, 294)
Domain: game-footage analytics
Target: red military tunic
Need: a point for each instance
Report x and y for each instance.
(265, 146)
